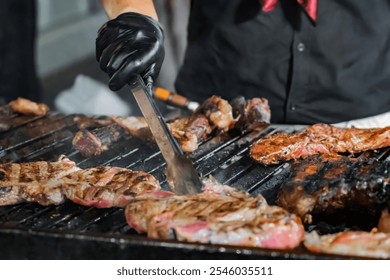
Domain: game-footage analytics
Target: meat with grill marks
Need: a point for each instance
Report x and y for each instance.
(52, 182)
(318, 139)
(350, 243)
(105, 187)
(326, 185)
(219, 215)
(34, 181)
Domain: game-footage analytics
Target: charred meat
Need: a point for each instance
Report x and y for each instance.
(218, 215)
(320, 184)
(350, 243)
(318, 139)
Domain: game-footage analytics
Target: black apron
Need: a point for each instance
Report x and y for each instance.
(17, 50)
(335, 70)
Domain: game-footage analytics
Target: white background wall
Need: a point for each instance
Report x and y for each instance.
(66, 32)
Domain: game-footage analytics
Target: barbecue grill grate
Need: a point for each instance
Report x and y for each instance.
(73, 231)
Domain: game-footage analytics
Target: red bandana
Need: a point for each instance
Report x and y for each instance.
(310, 6)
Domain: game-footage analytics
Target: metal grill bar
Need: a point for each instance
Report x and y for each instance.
(224, 156)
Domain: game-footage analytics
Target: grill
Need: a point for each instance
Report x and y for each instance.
(70, 231)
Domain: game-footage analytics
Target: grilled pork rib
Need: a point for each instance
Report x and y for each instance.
(218, 215)
(34, 181)
(320, 184)
(318, 139)
(350, 243)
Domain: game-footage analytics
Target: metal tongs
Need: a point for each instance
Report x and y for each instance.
(181, 174)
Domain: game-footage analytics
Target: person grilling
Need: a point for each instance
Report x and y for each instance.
(315, 61)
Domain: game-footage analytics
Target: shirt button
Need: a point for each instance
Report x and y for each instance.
(301, 47)
(293, 107)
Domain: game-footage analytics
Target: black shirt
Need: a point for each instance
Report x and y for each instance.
(334, 70)
(17, 50)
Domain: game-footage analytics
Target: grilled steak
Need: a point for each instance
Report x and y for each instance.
(27, 107)
(318, 139)
(350, 243)
(320, 184)
(34, 181)
(51, 182)
(218, 215)
(105, 187)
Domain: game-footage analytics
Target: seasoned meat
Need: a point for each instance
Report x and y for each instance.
(350, 243)
(320, 184)
(34, 181)
(318, 139)
(27, 107)
(106, 187)
(218, 215)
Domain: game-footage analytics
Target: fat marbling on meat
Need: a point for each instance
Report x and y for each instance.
(219, 215)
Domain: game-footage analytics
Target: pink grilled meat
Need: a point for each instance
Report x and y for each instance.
(351, 243)
(105, 187)
(318, 139)
(218, 215)
(34, 181)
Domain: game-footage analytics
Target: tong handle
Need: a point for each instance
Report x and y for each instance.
(138, 87)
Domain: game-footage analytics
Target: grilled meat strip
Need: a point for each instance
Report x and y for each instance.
(34, 181)
(105, 187)
(318, 139)
(28, 107)
(320, 184)
(350, 243)
(51, 182)
(218, 215)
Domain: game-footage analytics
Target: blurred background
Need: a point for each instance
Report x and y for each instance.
(65, 53)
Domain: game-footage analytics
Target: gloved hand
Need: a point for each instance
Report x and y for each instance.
(129, 45)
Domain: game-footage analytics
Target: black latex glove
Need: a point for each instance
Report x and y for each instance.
(129, 45)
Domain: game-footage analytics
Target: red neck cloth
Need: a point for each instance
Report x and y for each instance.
(310, 6)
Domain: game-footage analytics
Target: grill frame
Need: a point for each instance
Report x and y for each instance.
(70, 231)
